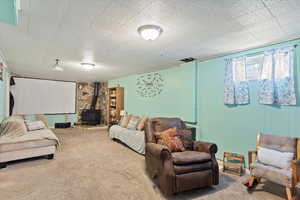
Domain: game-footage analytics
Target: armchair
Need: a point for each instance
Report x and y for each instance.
(287, 177)
(179, 171)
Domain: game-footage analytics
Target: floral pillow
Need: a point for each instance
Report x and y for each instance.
(170, 139)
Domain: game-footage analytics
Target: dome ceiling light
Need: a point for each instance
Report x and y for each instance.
(56, 66)
(88, 66)
(150, 32)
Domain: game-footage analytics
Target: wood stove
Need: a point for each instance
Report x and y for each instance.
(92, 116)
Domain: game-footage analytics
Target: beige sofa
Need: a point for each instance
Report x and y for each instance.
(132, 138)
(26, 144)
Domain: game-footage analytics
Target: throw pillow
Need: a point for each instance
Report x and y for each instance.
(34, 125)
(168, 138)
(186, 138)
(133, 122)
(141, 124)
(125, 121)
(275, 158)
(43, 118)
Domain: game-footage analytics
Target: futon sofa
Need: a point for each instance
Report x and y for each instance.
(17, 143)
(132, 138)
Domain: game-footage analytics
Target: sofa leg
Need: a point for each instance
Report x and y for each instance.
(50, 156)
(3, 165)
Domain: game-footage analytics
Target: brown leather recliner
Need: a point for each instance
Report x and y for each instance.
(179, 171)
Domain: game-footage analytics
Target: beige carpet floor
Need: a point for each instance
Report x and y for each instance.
(90, 166)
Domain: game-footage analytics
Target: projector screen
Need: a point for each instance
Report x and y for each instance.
(37, 96)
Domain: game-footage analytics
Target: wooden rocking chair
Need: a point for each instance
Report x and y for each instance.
(286, 177)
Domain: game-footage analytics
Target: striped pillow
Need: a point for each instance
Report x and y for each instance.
(34, 125)
(134, 121)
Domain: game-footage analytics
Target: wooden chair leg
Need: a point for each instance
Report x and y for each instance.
(289, 193)
(251, 181)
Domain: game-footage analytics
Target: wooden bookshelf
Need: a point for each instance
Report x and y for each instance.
(115, 104)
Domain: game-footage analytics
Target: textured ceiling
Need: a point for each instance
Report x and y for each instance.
(104, 31)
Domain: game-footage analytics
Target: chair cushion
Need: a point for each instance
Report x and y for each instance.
(182, 169)
(133, 122)
(161, 124)
(279, 176)
(189, 157)
(275, 158)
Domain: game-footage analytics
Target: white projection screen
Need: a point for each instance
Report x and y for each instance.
(38, 96)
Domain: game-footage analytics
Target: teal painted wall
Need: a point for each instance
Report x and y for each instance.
(176, 99)
(235, 128)
(52, 119)
(8, 13)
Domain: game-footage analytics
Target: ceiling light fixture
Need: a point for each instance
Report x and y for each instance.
(150, 32)
(88, 66)
(56, 66)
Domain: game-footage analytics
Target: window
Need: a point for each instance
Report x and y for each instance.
(253, 67)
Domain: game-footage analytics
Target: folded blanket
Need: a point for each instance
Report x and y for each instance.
(12, 128)
(15, 131)
(31, 136)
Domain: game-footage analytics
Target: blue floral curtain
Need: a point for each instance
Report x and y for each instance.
(276, 84)
(236, 90)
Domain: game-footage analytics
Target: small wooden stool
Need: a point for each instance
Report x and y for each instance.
(233, 163)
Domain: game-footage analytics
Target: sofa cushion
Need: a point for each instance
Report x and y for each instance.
(141, 124)
(133, 122)
(182, 169)
(168, 138)
(275, 158)
(278, 143)
(132, 138)
(125, 120)
(15, 146)
(189, 157)
(279, 176)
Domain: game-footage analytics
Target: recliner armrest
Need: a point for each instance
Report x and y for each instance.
(207, 147)
(158, 150)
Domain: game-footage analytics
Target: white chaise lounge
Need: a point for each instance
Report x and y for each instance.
(26, 144)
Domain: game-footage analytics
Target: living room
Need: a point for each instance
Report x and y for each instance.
(149, 99)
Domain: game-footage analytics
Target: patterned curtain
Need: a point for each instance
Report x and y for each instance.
(236, 89)
(276, 84)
